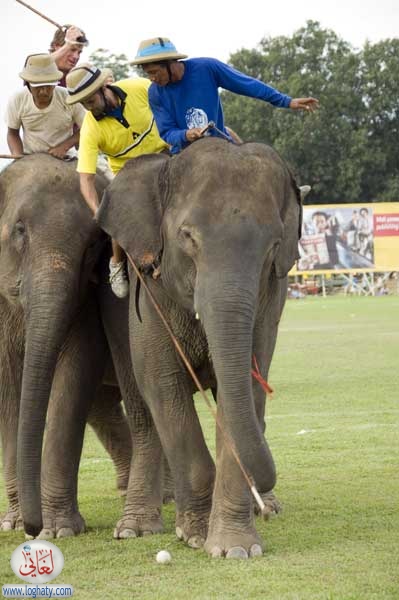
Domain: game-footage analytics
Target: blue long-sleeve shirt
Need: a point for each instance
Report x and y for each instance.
(194, 100)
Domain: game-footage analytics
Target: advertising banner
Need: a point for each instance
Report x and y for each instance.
(349, 238)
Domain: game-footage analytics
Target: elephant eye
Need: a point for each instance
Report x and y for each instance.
(186, 233)
(188, 239)
(19, 228)
(19, 236)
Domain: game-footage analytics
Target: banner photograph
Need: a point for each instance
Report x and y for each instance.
(349, 238)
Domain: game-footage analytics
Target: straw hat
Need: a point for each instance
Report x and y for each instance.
(156, 50)
(85, 80)
(40, 69)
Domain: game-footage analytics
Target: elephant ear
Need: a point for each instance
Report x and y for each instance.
(131, 208)
(292, 223)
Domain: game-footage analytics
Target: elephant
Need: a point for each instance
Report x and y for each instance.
(215, 231)
(61, 325)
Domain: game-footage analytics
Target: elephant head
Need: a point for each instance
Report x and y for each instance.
(226, 221)
(48, 246)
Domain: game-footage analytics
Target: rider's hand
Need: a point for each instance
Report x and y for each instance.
(308, 104)
(59, 151)
(72, 36)
(194, 134)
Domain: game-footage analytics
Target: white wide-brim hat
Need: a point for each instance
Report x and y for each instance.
(40, 69)
(85, 80)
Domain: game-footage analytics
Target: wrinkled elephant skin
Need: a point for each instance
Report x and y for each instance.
(224, 221)
(52, 343)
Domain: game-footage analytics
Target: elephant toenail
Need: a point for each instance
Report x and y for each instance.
(256, 550)
(127, 533)
(65, 532)
(196, 541)
(46, 534)
(237, 552)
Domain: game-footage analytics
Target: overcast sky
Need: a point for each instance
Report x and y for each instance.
(206, 28)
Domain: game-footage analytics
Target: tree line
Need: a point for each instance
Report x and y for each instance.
(348, 151)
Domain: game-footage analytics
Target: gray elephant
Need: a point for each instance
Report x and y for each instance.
(223, 222)
(60, 324)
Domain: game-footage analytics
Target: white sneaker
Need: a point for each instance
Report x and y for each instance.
(117, 279)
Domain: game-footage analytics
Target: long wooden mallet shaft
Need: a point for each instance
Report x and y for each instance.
(11, 156)
(40, 14)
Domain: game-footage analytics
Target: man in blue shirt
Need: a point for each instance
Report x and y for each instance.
(184, 95)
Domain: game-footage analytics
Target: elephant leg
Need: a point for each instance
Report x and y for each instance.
(168, 392)
(232, 531)
(108, 420)
(11, 364)
(76, 382)
(142, 513)
(272, 504)
(265, 337)
(143, 503)
(8, 433)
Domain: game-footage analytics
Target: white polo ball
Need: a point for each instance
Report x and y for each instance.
(163, 556)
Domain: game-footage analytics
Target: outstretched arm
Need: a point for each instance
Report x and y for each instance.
(239, 83)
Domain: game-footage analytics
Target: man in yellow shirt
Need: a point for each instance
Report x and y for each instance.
(119, 123)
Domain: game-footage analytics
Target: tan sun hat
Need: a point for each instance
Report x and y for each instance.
(156, 50)
(40, 69)
(85, 80)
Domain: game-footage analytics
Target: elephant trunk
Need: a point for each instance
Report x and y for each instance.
(228, 317)
(48, 312)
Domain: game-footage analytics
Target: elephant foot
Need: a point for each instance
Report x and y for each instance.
(138, 524)
(272, 506)
(11, 521)
(192, 528)
(241, 545)
(60, 526)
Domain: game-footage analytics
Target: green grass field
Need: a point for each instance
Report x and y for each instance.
(333, 426)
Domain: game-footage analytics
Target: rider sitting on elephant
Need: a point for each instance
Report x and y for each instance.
(118, 123)
(42, 111)
(184, 95)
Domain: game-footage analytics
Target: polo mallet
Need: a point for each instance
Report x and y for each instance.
(80, 40)
(212, 125)
(11, 156)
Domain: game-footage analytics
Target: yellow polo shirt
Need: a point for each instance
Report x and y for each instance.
(117, 142)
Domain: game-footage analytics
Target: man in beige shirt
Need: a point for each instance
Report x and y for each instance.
(40, 109)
